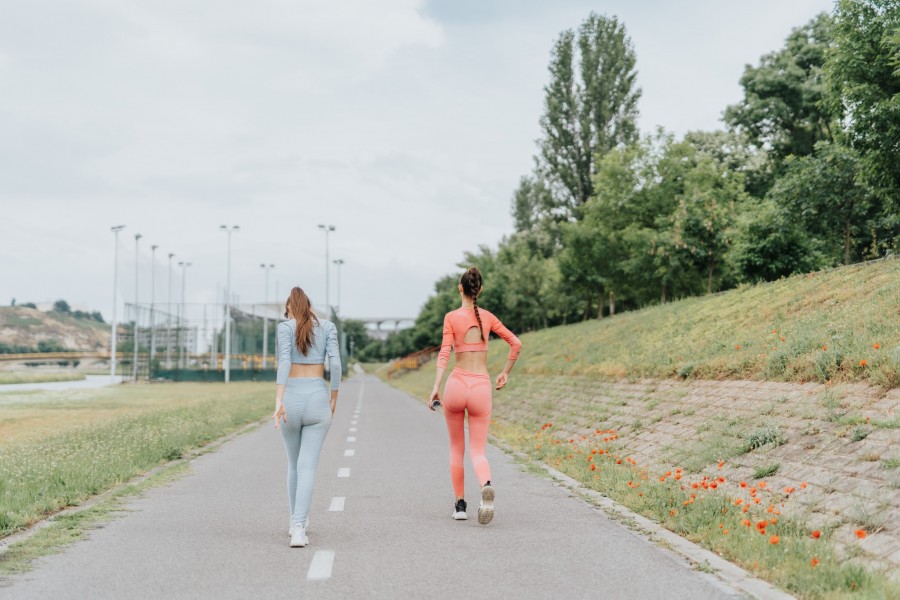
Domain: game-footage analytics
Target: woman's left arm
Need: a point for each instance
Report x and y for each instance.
(284, 368)
(335, 368)
(514, 347)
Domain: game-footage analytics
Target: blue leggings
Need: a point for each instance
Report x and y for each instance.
(308, 411)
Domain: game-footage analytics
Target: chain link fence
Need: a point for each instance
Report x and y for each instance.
(186, 342)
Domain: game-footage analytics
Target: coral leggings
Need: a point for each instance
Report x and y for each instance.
(467, 391)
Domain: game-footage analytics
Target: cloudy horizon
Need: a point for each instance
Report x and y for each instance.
(406, 124)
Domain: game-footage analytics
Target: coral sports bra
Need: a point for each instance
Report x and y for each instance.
(460, 321)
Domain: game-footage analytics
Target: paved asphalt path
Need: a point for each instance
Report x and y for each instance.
(220, 532)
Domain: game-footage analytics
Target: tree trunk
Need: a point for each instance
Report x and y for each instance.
(612, 303)
(663, 293)
(847, 241)
(600, 308)
(587, 309)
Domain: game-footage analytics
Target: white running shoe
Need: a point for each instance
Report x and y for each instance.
(291, 527)
(486, 508)
(298, 537)
(459, 511)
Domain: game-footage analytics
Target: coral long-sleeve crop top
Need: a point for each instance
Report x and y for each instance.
(459, 321)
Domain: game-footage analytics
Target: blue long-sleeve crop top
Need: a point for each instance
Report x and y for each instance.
(325, 341)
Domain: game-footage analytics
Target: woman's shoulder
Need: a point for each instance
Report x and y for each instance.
(485, 312)
(288, 324)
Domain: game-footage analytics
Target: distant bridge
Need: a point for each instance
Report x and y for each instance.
(376, 328)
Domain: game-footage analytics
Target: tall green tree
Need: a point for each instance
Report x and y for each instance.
(590, 107)
(783, 110)
(864, 77)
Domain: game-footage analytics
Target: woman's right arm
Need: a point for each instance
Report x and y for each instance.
(284, 368)
(514, 347)
(443, 359)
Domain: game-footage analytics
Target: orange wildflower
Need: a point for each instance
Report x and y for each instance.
(746, 508)
(813, 562)
(725, 531)
(593, 467)
(695, 485)
(816, 534)
(825, 348)
(743, 484)
(619, 461)
(673, 512)
(774, 540)
(876, 345)
(746, 522)
(762, 485)
(863, 363)
(737, 347)
(861, 534)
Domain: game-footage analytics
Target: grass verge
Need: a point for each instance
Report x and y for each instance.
(61, 448)
(68, 529)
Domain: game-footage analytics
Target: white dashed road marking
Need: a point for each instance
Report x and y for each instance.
(351, 438)
(320, 567)
(352, 429)
(337, 504)
(344, 472)
(349, 452)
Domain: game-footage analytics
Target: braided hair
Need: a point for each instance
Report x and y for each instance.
(471, 283)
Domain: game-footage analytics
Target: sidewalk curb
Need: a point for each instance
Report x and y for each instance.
(188, 456)
(725, 571)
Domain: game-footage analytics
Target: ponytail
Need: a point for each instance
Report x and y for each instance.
(471, 282)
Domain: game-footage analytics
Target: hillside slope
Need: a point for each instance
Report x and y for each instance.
(27, 327)
(815, 327)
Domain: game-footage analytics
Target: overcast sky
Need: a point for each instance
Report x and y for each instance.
(405, 123)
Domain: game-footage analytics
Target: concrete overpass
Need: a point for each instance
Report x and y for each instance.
(380, 327)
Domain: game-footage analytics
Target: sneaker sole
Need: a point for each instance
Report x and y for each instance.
(486, 510)
(460, 516)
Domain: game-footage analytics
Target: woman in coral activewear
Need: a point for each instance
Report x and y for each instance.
(468, 389)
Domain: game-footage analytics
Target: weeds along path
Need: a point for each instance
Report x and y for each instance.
(61, 448)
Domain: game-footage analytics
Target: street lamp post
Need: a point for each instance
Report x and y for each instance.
(327, 229)
(229, 231)
(182, 361)
(134, 366)
(113, 332)
(266, 268)
(338, 262)
(169, 317)
(152, 301)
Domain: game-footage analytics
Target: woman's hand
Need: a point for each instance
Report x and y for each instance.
(281, 415)
(435, 395)
(502, 378)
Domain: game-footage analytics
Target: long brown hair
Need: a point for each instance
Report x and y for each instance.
(471, 282)
(299, 308)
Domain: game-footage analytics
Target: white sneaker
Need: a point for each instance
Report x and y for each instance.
(486, 508)
(459, 510)
(298, 537)
(291, 527)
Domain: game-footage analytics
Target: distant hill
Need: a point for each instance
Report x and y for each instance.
(24, 329)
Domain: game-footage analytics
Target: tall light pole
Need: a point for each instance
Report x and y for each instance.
(169, 317)
(112, 335)
(229, 231)
(338, 262)
(152, 301)
(266, 268)
(327, 229)
(134, 368)
(184, 266)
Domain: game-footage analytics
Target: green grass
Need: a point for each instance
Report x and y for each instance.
(61, 448)
(68, 529)
(38, 376)
(829, 322)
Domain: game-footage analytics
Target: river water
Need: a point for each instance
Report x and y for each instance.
(90, 381)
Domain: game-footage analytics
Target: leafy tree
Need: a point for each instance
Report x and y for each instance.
(357, 335)
(61, 306)
(824, 193)
(97, 316)
(782, 109)
(588, 113)
(29, 305)
(864, 77)
(769, 244)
